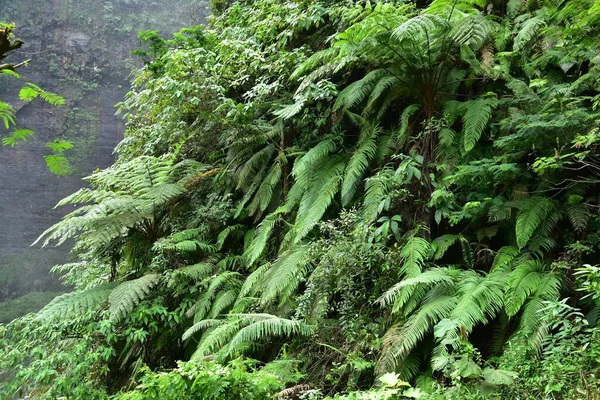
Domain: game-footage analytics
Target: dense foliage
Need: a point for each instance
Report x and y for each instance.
(343, 199)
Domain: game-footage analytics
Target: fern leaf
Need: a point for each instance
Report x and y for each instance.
(356, 168)
(413, 255)
(476, 117)
(531, 215)
(523, 282)
(285, 274)
(263, 326)
(129, 294)
(76, 303)
(441, 245)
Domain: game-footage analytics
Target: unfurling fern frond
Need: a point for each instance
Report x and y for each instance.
(76, 303)
(129, 294)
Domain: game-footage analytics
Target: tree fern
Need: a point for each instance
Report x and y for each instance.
(76, 303)
(413, 254)
(399, 342)
(477, 115)
(531, 215)
(357, 166)
(261, 326)
(285, 274)
(129, 294)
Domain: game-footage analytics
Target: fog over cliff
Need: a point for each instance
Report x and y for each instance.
(80, 50)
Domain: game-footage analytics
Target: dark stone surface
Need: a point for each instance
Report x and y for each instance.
(80, 50)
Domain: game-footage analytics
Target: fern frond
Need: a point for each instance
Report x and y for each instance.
(413, 254)
(225, 233)
(357, 92)
(441, 245)
(263, 326)
(504, 257)
(427, 278)
(548, 289)
(399, 342)
(401, 135)
(129, 294)
(522, 283)
(356, 168)
(315, 201)
(76, 303)
(200, 326)
(528, 31)
(477, 115)
(194, 272)
(579, 216)
(531, 215)
(261, 237)
(285, 274)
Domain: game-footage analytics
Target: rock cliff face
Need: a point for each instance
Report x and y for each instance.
(80, 50)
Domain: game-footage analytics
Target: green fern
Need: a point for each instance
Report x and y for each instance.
(284, 275)
(531, 215)
(357, 167)
(76, 303)
(477, 115)
(128, 294)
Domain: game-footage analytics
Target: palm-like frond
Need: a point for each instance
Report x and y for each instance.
(285, 274)
(357, 167)
(129, 294)
(477, 115)
(76, 303)
(531, 215)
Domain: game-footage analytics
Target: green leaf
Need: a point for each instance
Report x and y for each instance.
(58, 164)
(28, 94)
(499, 376)
(475, 120)
(467, 368)
(17, 135)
